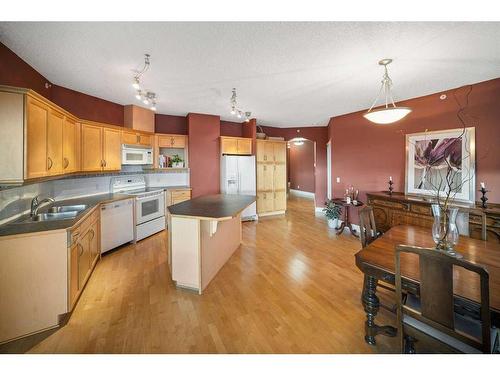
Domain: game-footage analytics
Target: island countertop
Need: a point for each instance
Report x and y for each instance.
(212, 207)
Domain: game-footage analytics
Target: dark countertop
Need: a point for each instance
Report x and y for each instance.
(169, 187)
(15, 227)
(213, 207)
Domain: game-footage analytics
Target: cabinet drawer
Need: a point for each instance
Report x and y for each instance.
(396, 205)
(181, 194)
(424, 210)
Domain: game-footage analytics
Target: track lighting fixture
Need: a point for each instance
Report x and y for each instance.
(236, 111)
(145, 96)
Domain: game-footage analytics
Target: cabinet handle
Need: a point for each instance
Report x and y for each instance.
(50, 163)
(104, 163)
(78, 245)
(265, 167)
(93, 234)
(265, 157)
(66, 163)
(172, 141)
(138, 138)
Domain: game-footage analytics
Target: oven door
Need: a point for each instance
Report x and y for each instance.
(149, 208)
(134, 157)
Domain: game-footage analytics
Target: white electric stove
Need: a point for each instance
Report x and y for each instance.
(149, 204)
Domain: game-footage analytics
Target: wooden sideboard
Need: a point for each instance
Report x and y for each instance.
(400, 209)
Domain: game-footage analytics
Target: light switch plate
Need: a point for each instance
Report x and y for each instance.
(338, 180)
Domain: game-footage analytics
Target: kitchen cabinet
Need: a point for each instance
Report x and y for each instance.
(112, 143)
(177, 195)
(235, 145)
(172, 141)
(84, 253)
(55, 122)
(101, 148)
(271, 177)
(36, 142)
(69, 143)
(135, 138)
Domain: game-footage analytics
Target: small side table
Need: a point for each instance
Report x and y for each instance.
(346, 222)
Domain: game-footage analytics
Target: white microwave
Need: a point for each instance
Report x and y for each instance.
(136, 155)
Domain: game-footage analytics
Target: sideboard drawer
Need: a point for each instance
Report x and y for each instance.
(390, 204)
(424, 210)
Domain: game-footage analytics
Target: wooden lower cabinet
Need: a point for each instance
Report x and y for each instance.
(84, 253)
(174, 196)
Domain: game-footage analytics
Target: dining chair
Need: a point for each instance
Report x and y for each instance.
(430, 319)
(367, 228)
(367, 234)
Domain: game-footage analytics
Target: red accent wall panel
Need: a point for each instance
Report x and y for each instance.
(204, 161)
(231, 129)
(249, 130)
(169, 124)
(14, 71)
(365, 154)
(88, 107)
(302, 166)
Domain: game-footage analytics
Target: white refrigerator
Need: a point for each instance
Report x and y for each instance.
(238, 177)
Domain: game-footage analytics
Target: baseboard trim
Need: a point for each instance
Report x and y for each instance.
(301, 193)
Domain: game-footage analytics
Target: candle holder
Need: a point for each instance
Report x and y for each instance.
(483, 198)
(390, 187)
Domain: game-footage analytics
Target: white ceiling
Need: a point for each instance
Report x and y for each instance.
(287, 74)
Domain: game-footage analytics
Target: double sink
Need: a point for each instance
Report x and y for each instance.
(56, 213)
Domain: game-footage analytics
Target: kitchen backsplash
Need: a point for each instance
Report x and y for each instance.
(17, 201)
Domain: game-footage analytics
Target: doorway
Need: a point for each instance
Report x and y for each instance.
(301, 169)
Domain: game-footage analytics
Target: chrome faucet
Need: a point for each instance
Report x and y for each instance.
(35, 204)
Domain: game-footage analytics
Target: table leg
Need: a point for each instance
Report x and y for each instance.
(352, 230)
(371, 304)
(340, 229)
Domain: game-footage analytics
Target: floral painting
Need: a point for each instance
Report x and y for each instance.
(441, 160)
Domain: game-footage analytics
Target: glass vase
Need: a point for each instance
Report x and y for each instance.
(444, 229)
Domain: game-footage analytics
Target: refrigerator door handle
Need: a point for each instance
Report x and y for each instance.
(239, 182)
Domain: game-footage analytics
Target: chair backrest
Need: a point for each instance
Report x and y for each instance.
(367, 228)
(436, 293)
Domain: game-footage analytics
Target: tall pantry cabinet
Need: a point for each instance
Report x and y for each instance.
(271, 177)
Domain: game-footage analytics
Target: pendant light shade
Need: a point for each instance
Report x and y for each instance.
(390, 113)
(387, 115)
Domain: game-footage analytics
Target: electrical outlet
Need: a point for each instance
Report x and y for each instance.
(338, 180)
(298, 186)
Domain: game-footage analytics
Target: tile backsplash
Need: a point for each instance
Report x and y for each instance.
(16, 201)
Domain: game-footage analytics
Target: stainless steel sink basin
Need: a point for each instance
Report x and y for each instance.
(75, 207)
(52, 216)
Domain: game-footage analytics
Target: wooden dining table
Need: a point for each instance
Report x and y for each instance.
(376, 261)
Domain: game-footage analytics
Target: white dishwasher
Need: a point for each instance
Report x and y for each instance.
(117, 224)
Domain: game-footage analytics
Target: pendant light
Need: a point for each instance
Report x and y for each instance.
(388, 114)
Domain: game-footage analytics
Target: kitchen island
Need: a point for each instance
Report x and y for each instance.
(203, 234)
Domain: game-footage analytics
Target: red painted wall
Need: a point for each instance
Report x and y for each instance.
(249, 130)
(14, 71)
(318, 134)
(88, 107)
(204, 163)
(302, 166)
(168, 124)
(365, 154)
(231, 129)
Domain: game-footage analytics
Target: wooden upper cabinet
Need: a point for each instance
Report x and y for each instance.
(279, 152)
(145, 139)
(171, 141)
(91, 149)
(70, 149)
(228, 145)
(236, 145)
(245, 146)
(112, 143)
(129, 138)
(55, 122)
(36, 138)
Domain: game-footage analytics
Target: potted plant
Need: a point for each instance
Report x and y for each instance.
(332, 212)
(177, 162)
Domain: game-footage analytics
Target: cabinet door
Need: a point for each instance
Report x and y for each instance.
(83, 246)
(36, 139)
(69, 146)
(264, 202)
(129, 138)
(229, 146)
(268, 151)
(145, 140)
(279, 201)
(54, 142)
(279, 176)
(92, 159)
(259, 151)
(179, 141)
(264, 177)
(73, 275)
(94, 242)
(112, 143)
(279, 152)
(244, 146)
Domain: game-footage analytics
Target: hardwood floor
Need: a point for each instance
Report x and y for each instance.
(292, 287)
